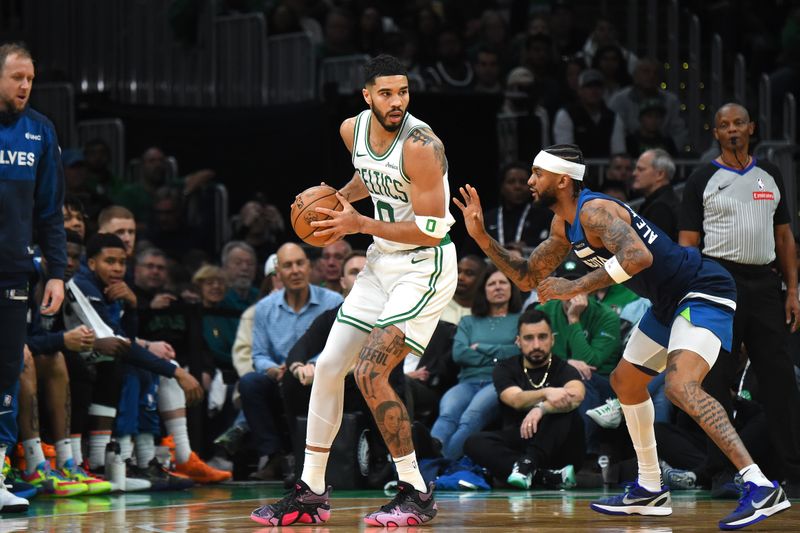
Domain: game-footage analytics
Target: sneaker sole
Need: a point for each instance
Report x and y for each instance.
(293, 518)
(758, 516)
(631, 509)
(394, 520)
(21, 508)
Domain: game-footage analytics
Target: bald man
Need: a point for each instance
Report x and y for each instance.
(735, 209)
(281, 318)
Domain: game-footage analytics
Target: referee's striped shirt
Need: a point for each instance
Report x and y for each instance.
(735, 211)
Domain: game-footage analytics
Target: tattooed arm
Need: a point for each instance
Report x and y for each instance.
(424, 163)
(607, 223)
(526, 274)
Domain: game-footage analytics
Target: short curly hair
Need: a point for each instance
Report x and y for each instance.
(383, 65)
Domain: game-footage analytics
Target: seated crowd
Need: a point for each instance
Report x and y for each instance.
(158, 361)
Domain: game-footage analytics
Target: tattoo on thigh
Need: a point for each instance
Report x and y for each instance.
(395, 426)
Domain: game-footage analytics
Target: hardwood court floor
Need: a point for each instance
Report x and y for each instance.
(226, 509)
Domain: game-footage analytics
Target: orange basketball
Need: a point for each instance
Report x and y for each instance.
(303, 213)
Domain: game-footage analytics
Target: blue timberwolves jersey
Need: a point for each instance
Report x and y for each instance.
(674, 267)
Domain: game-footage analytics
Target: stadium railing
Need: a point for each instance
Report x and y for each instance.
(57, 102)
(293, 77)
(241, 57)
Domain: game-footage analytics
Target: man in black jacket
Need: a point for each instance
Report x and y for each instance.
(652, 178)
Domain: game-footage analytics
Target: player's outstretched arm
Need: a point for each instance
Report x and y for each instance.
(526, 274)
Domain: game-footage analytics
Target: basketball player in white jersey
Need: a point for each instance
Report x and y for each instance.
(396, 301)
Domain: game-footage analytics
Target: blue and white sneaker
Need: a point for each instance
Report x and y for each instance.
(756, 504)
(636, 500)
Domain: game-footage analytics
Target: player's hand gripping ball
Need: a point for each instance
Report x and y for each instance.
(303, 213)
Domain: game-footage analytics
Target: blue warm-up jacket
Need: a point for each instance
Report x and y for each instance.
(31, 196)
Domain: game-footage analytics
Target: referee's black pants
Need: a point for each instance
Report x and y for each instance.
(559, 441)
(760, 323)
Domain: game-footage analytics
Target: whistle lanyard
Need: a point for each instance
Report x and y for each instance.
(501, 230)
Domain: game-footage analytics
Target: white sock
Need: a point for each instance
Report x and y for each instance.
(2, 461)
(63, 452)
(34, 456)
(408, 471)
(177, 428)
(145, 449)
(753, 474)
(314, 470)
(97, 448)
(125, 446)
(77, 448)
(640, 419)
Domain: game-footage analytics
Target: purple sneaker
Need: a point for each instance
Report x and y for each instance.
(300, 506)
(409, 508)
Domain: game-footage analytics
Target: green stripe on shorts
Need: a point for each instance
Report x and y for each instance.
(420, 305)
(414, 345)
(352, 321)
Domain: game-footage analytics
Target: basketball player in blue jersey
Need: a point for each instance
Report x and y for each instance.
(395, 303)
(690, 320)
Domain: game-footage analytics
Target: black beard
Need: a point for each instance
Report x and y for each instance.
(382, 121)
(545, 199)
(531, 361)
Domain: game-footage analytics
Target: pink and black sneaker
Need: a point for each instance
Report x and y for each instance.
(409, 508)
(300, 506)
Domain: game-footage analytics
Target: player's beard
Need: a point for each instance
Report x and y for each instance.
(385, 123)
(545, 198)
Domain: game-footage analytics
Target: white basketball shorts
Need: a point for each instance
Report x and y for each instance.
(407, 289)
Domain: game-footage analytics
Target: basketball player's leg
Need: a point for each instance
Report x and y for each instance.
(693, 349)
(308, 502)
(384, 350)
(53, 378)
(644, 357)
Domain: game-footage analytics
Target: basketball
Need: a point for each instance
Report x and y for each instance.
(303, 213)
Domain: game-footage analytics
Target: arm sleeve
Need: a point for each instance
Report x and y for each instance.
(500, 351)
(243, 345)
(602, 341)
(311, 343)
(463, 355)
(562, 128)
(262, 346)
(502, 378)
(48, 215)
(142, 358)
(41, 341)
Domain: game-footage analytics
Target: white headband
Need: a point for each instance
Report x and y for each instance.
(552, 163)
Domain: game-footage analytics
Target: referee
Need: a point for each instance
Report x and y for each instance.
(734, 209)
(31, 198)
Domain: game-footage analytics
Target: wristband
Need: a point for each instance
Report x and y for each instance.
(432, 226)
(616, 271)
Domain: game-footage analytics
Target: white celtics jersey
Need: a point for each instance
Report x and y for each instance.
(383, 175)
